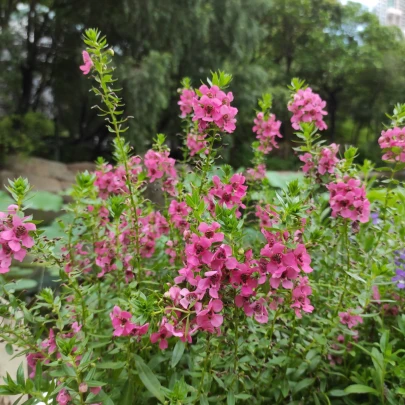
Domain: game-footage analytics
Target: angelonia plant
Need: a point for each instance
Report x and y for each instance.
(230, 290)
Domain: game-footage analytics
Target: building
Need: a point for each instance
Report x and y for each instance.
(391, 12)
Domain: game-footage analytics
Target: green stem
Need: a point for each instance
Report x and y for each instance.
(117, 129)
(206, 166)
(207, 349)
(342, 295)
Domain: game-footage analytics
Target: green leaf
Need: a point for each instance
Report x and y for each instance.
(230, 398)
(111, 365)
(337, 393)
(9, 349)
(305, 383)
(243, 396)
(45, 201)
(127, 397)
(203, 400)
(20, 376)
(149, 379)
(360, 389)
(177, 353)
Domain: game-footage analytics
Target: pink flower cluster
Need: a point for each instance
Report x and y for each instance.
(307, 106)
(48, 347)
(15, 237)
(161, 166)
(392, 141)
(210, 266)
(266, 130)
(284, 265)
(81, 258)
(349, 319)
(328, 160)
(178, 212)
(110, 180)
(121, 322)
(197, 144)
(267, 216)
(186, 101)
(214, 106)
(348, 199)
(325, 161)
(230, 194)
(113, 248)
(257, 173)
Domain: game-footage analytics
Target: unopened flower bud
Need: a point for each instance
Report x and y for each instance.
(83, 387)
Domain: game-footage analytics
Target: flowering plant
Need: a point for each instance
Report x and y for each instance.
(232, 290)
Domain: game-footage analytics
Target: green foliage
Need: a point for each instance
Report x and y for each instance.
(341, 50)
(28, 134)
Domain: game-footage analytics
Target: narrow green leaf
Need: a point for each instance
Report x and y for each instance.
(337, 393)
(20, 376)
(305, 383)
(149, 379)
(111, 365)
(177, 353)
(360, 389)
(230, 398)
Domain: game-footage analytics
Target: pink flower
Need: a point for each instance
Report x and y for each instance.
(267, 216)
(347, 318)
(179, 208)
(187, 274)
(328, 159)
(198, 252)
(257, 173)
(88, 63)
(210, 232)
(300, 297)
(50, 343)
(225, 118)
(392, 141)
(211, 282)
(18, 235)
(307, 106)
(170, 251)
(121, 322)
(190, 297)
(208, 319)
(95, 390)
(348, 199)
(222, 258)
(162, 335)
(6, 255)
(307, 159)
(258, 309)
(140, 330)
(76, 327)
(213, 107)
(186, 101)
(230, 194)
(32, 359)
(303, 258)
(267, 129)
(63, 397)
(197, 144)
(284, 275)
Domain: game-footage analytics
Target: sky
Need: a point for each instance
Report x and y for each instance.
(368, 3)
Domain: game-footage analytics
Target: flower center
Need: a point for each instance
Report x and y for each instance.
(20, 231)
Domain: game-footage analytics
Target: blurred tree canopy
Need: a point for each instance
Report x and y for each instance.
(343, 52)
